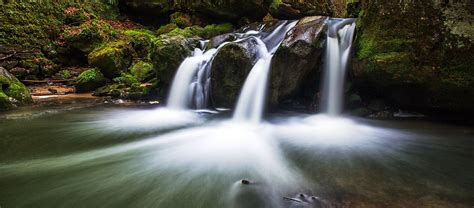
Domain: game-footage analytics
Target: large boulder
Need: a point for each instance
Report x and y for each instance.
(168, 53)
(416, 54)
(297, 62)
(12, 91)
(90, 80)
(295, 9)
(229, 69)
(112, 58)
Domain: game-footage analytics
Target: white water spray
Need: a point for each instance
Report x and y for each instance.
(251, 101)
(338, 50)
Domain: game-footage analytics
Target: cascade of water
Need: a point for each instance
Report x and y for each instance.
(181, 90)
(338, 50)
(251, 101)
(191, 84)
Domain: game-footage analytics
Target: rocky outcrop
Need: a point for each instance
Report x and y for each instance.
(416, 54)
(297, 62)
(230, 69)
(12, 91)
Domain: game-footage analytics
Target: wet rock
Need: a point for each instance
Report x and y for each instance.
(168, 53)
(218, 40)
(230, 68)
(296, 64)
(12, 91)
(305, 201)
(112, 58)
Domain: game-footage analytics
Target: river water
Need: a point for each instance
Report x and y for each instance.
(106, 156)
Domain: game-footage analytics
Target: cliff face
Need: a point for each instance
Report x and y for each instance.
(416, 54)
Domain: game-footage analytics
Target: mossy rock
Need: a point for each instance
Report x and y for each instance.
(33, 24)
(181, 20)
(170, 50)
(166, 28)
(230, 68)
(206, 32)
(142, 70)
(88, 35)
(142, 42)
(413, 58)
(89, 80)
(111, 58)
(12, 91)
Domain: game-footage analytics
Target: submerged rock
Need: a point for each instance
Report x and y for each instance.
(12, 91)
(230, 68)
(297, 62)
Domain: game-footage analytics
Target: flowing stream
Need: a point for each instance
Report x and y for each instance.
(105, 156)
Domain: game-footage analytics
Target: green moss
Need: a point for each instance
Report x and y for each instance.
(206, 32)
(166, 28)
(141, 41)
(181, 20)
(126, 79)
(66, 74)
(89, 80)
(111, 58)
(34, 24)
(275, 4)
(141, 70)
(12, 88)
(88, 35)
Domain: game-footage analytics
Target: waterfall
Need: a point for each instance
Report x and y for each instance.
(192, 81)
(251, 100)
(338, 51)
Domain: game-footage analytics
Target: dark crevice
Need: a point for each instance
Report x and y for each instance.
(5, 87)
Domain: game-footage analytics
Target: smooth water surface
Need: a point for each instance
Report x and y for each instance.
(134, 157)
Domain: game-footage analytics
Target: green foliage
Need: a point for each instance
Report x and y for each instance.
(34, 24)
(66, 74)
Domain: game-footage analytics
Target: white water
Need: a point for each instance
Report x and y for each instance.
(189, 80)
(251, 101)
(338, 50)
